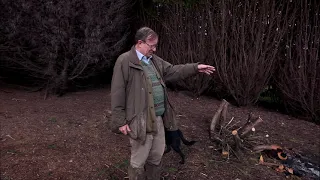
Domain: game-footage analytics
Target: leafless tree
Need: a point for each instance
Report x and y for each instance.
(241, 38)
(298, 75)
(245, 42)
(57, 42)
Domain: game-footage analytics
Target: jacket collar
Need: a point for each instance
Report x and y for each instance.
(135, 63)
(133, 56)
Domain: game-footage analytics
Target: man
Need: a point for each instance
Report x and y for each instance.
(140, 105)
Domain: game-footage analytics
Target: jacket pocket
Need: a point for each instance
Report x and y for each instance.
(134, 125)
(137, 127)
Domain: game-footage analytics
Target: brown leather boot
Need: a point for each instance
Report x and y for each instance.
(153, 172)
(136, 173)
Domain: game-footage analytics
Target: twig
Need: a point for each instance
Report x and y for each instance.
(211, 160)
(15, 99)
(234, 125)
(229, 122)
(10, 136)
(241, 171)
(247, 148)
(228, 147)
(254, 137)
(235, 153)
(115, 168)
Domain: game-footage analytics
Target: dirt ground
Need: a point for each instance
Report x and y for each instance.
(68, 138)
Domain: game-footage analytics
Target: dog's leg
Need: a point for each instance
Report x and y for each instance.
(168, 149)
(178, 150)
(186, 142)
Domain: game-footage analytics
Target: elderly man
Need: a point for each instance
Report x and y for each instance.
(140, 105)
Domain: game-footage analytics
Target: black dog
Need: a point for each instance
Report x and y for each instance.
(173, 140)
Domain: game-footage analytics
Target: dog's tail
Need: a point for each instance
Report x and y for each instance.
(186, 142)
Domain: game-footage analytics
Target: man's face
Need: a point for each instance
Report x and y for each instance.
(148, 47)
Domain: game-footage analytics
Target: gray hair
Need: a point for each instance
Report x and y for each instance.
(145, 33)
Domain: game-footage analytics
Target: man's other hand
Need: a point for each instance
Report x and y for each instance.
(124, 129)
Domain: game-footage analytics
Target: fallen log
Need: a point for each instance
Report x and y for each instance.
(249, 127)
(261, 148)
(216, 118)
(223, 117)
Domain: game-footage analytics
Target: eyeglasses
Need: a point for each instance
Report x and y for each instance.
(151, 46)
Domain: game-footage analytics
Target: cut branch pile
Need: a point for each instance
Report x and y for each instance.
(231, 138)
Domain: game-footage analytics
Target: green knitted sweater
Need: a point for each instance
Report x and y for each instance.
(157, 89)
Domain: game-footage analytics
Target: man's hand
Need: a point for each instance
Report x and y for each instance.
(124, 129)
(206, 69)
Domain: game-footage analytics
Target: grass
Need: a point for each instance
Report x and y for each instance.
(113, 172)
(101, 172)
(53, 119)
(172, 169)
(52, 146)
(5, 178)
(123, 164)
(12, 151)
